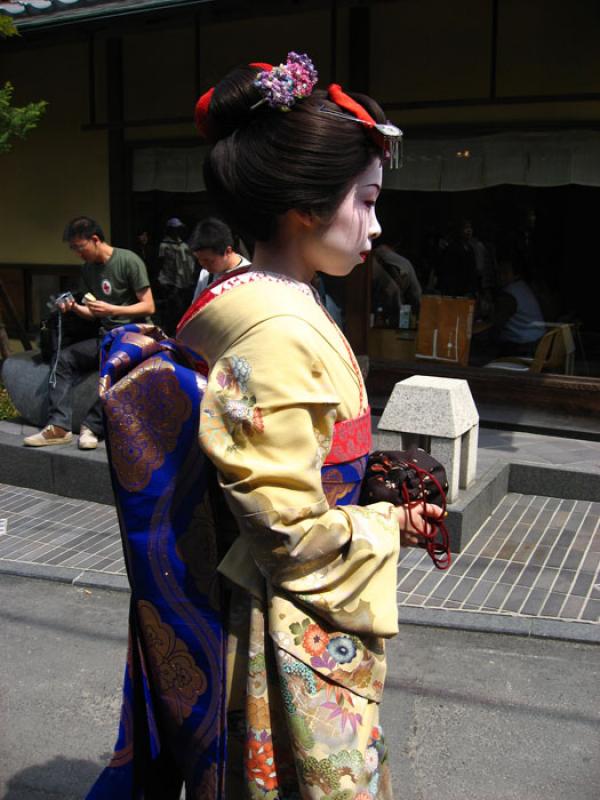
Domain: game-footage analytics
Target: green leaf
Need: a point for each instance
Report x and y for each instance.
(16, 121)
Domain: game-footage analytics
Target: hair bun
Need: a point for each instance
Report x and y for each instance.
(228, 106)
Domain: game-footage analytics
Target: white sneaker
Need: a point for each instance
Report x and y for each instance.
(87, 439)
(51, 434)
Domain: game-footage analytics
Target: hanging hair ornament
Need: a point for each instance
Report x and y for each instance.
(281, 86)
(387, 135)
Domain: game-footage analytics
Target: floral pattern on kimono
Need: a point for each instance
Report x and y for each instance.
(320, 582)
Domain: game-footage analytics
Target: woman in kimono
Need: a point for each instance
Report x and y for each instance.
(284, 419)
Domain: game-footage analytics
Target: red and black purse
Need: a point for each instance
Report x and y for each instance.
(409, 478)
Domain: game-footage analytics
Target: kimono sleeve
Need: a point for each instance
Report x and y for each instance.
(267, 424)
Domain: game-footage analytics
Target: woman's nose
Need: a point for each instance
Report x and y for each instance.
(374, 228)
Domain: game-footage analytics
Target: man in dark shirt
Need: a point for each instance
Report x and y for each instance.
(117, 292)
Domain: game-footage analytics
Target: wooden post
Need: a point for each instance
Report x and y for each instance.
(4, 343)
(14, 318)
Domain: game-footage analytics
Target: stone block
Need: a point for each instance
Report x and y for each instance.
(568, 483)
(468, 456)
(430, 406)
(447, 452)
(82, 475)
(18, 467)
(439, 415)
(25, 377)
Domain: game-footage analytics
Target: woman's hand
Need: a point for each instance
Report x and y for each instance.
(413, 522)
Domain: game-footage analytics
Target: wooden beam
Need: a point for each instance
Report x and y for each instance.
(359, 48)
(118, 177)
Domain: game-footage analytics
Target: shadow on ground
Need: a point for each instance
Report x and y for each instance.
(58, 779)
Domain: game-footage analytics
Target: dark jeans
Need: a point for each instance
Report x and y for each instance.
(74, 362)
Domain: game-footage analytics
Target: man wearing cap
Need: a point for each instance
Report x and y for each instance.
(176, 274)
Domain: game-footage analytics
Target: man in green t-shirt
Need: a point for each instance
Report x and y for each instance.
(117, 291)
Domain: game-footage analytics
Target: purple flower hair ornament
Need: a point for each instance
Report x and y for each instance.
(283, 85)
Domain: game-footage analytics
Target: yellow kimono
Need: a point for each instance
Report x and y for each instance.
(315, 586)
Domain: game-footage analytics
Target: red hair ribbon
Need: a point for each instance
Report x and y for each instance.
(203, 104)
(201, 112)
(338, 96)
(385, 134)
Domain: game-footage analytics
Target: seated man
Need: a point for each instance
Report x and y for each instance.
(395, 284)
(117, 292)
(402, 273)
(517, 320)
(212, 245)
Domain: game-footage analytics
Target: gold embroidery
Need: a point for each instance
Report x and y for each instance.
(180, 680)
(146, 411)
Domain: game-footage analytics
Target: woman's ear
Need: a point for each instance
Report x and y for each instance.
(301, 219)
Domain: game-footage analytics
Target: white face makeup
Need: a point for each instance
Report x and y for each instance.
(338, 247)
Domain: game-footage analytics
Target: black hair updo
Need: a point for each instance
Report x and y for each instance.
(265, 161)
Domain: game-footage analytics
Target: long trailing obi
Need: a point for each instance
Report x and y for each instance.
(173, 718)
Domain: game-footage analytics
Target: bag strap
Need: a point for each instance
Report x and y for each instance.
(438, 549)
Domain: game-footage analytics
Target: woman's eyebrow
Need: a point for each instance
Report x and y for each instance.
(375, 186)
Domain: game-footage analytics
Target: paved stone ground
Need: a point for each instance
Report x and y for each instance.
(532, 568)
(44, 535)
(534, 558)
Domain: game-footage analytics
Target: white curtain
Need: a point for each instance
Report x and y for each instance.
(168, 169)
(430, 165)
(476, 162)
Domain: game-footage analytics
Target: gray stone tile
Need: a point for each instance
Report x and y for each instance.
(7, 545)
(480, 592)
(497, 596)
(61, 556)
(556, 557)
(515, 599)
(564, 581)
(572, 561)
(410, 581)
(591, 611)
(461, 564)
(478, 567)
(462, 590)
(546, 578)
(572, 608)
(553, 604)
(528, 576)
(511, 573)
(416, 599)
(100, 564)
(433, 602)
(444, 587)
(117, 562)
(534, 602)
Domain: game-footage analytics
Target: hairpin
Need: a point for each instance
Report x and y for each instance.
(387, 135)
(281, 86)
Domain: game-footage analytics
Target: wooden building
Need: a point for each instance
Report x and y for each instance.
(499, 101)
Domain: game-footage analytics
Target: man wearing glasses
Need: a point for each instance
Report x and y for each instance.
(117, 292)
